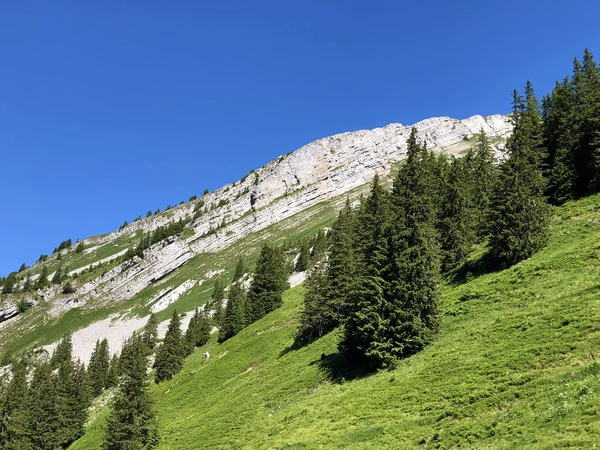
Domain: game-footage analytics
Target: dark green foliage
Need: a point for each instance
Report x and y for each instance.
(484, 175)
(23, 306)
(22, 268)
(217, 300)
(317, 318)
(304, 257)
(169, 356)
(68, 288)
(123, 225)
(150, 332)
(519, 213)
(80, 248)
(132, 423)
(319, 247)
(458, 220)
(58, 276)
(72, 402)
(98, 367)
(27, 285)
(44, 419)
(234, 316)
(42, 280)
(114, 369)
(13, 410)
(268, 284)
(158, 235)
(43, 257)
(198, 331)
(63, 352)
(9, 283)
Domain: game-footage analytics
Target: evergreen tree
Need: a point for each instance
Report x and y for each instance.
(114, 369)
(58, 276)
(98, 367)
(198, 330)
(364, 330)
(42, 280)
(72, 411)
(150, 332)
(169, 356)
(457, 222)
(316, 319)
(240, 270)
(9, 283)
(519, 214)
(304, 257)
(27, 285)
(319, 248)
(63, 351)
(14, 411)
(234, 316)
(268, 284)
(43, 410)
(482, 164)
(132, 423)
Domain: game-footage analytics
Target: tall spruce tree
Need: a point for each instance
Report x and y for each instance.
(304, 257)
(268, 284)
(458, 215)
(519, 213)
(316, 318)
(169, 356)
(319, 247)
(217, 299)
(98, 367)
(150, 332)
(364, 337)
(482, 163)
(14, 414)
(198, 331)
(412, 272)
(71, 406)
(132, 423)
(234, 316)
(63, 351)
(44, 420)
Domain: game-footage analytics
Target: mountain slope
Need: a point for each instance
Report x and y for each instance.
(285, 199)
(513, 367)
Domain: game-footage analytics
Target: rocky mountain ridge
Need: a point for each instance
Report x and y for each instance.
(318, 172)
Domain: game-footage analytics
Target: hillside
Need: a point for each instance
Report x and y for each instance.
(514, 367)
(288, 198)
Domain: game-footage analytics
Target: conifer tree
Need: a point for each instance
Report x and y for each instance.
(98, 367)
(169, 355)
(132, 423)
(14, 411)
(316, 319)
(150, 332)
(457, 222)
(217, 297)
(198, 331)
(482, 164)
(319, 248)
(72, 408)
(234, 316)
(240, 270)
(42, 280)
(114, 369)
(43, 410)
(364, 330)
(58, 276)
(519, 214)
(304, 257)
(63, 351)
(268, 284)
(9, 283)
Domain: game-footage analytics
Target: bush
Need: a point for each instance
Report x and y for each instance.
(23, 306)
(68, 289)
(80, 248)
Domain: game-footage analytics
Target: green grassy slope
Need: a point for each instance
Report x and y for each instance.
(513, 367)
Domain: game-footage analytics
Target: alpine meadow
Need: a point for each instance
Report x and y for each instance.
(425, 286)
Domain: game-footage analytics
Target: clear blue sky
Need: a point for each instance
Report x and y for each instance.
(109, 109)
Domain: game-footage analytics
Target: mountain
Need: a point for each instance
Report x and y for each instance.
(285, 199)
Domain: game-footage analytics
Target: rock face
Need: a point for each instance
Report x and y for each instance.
(320, 171)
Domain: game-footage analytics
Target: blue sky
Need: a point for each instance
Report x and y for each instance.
(109, 109)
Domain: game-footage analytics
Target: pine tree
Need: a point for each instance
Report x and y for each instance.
(234, 316)
(482, 164)
(98, 367)
(169, 356)
(58, 276)
(42, 280)
(14, 411)
(198, 330)
(44, 419)
(319, 248)
(364, 329)
(519, 214)
(63, 351)
(240, 270)
(114, 369)
(316, 319)
(132, 423)
(457, 223)
(268, 284)
(304, 257)
(72, 412)
(150, 332)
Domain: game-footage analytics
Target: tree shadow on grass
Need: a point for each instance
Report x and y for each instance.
(472, 269)
(339, 369)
